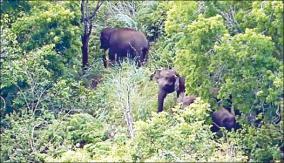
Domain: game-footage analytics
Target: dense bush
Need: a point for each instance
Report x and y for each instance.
(40, 45)
(50, 23)
(127, 86)
(183, 135)
(243, 64)
(20, 142)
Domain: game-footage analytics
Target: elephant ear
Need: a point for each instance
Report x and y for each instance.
(156, 75)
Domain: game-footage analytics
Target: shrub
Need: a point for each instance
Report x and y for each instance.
(126, 86)
(183, 135)
(20, 142)
(70, 132)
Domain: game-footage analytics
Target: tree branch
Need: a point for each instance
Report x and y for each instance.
(82, 10)
(94, 13)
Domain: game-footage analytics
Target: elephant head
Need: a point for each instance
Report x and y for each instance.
(105, 37)
(168, 81)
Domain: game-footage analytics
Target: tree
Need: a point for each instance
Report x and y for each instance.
(217, 47)
(87, 19)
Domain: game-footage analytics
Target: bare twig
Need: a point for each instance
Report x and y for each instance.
(94, 13)
(32, 135)
(24, 96)
(129, 118)
(229, 17)
(39, 99)
(4, 102)
(126, 105)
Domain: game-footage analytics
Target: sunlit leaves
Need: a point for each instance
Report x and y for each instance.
(250, 69)
(179, 15)
(194, 52)
(48, 23)
(182, 136)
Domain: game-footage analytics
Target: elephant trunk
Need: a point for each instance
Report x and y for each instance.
(162, 95)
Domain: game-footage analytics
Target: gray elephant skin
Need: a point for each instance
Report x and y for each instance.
(124, 42)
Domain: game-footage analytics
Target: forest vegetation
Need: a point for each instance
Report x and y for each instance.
(60, 104)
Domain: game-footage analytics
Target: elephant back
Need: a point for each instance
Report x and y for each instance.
(128, 36)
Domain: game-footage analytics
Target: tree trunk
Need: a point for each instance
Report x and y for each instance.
(85, 37)
(86, 20)
(85, 50)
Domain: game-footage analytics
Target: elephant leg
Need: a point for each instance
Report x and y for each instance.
(105, 59)
(119, 58)
(133, 54)
(141, 56)
(112, 56)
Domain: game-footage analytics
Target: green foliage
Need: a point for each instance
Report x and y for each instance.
(195, 50)
(37, 51)
(122, 13)
(13, 10)
(231, 46)
(50, 23)
(67, 133)
(79, 155)
(80, 128)
(180, 136)
(179, 15)
(72, 97)
(162, 53)
(58, 114)
(250, 80)
(36, 83)
(151, 19)
(126, 86)
(20, 142)
(261, 144)
(85, 128)
(28, 77)
(266, 18)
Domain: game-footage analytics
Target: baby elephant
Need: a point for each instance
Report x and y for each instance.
(185, 100)
(223, 118)
(169, 82)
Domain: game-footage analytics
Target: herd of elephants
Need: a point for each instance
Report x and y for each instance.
(128, 43)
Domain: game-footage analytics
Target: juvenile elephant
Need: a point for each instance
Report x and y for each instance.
(223, 118)
(124, 42)
(168, 81)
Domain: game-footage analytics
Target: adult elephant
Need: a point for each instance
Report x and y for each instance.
(124, 42)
